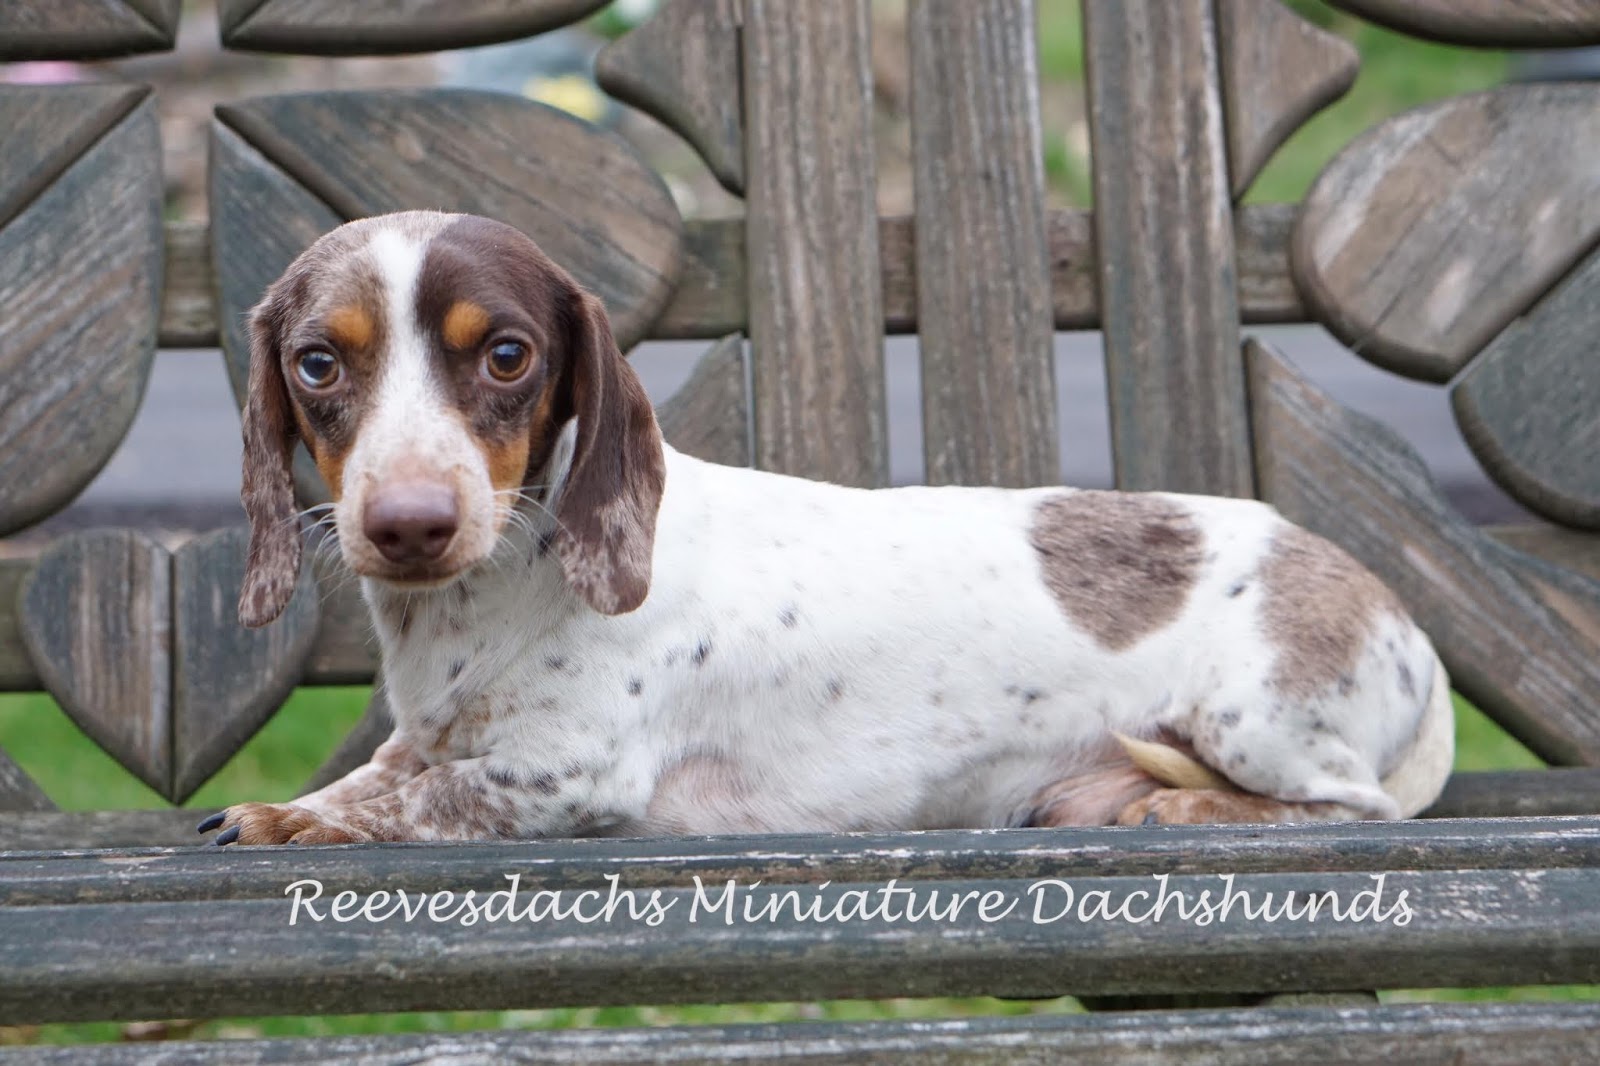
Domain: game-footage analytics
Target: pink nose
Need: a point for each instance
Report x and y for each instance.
(411, 522)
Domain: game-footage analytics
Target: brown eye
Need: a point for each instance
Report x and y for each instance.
(507, 361)
(317, 369)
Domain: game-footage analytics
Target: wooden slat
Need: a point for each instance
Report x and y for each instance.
(1454, 1034)
(710, 299)
(263, 220)
(1490, 23)
(1277, 71)
(682, 66)
(85, 29)
(18, 791)
(1165, 240)
(386, 27)
(80, 290)
(1563, 547)
(120, 961)
(188, 303)
(96, 613)
(190, 872)
(49, 128)
(816, 309)
(709, 416)
(525, 164)
(1519, 637)
(982, 261)
(1519, 794)
(1429, 233)
(1529, 405)
(227, 680)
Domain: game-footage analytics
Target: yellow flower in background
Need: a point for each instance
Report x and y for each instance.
(572, 93)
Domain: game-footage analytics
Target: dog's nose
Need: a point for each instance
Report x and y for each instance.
(411, 523)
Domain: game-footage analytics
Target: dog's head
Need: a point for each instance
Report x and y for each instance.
(435, 365)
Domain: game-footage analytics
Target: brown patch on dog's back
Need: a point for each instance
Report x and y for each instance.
(1120, 564)
(465, 325)
(1317, 609)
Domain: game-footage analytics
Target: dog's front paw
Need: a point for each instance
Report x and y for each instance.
(278, 823)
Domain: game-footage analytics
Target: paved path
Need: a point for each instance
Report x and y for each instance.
(181, 459)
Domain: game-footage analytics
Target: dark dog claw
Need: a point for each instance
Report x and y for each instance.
(1151, 819)
(211, 823)
(227, 836)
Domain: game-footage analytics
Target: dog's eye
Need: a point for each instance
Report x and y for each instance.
(317, 369)
(506, 361)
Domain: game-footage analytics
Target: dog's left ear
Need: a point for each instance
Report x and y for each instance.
(268, 492)
(607, 511)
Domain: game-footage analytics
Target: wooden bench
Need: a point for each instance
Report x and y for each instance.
(1454, 245)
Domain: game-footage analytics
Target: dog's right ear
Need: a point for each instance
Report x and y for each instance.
(273, 565)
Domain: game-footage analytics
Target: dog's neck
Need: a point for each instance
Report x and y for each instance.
(519, 592)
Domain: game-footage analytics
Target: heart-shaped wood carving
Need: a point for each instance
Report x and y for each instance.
(142, 650)
(227, 680)
(80, 284)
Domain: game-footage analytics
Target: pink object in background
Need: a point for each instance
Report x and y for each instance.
(48, 72)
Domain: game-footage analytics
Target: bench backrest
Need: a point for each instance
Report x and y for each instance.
(1455, 245)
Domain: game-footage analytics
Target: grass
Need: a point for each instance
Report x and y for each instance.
(1397, 73)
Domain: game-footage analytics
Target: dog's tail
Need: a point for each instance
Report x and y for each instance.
(1418, 776)
(1172, 767)
(1422, 769)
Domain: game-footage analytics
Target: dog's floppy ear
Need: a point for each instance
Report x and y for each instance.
(607, 511)
(268, 494)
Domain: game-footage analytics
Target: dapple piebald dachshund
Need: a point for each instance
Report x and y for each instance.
(584, 631)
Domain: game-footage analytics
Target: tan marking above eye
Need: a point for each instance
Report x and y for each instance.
(351, 327)
(465, 324)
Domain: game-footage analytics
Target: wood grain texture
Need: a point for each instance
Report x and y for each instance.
(18, 791)
(1491, 23)
(1277, 71)
(388, 27)
(582, 193)
(1518, 794)
(195, 874)
(1564, 547)
(96, 618)
(86, 29)
(80, 291)
(48, 128)
(261, 220)
(356, 748)
(982, 256)
(1519, 637)
(682, 67)
(709, 301)
(188, 306)
(816, 308)
(709, 416)
(1429, 233)
(1164, 230)
(227, 680)
(1529, 405)
(112, 961)
(1482, 1034)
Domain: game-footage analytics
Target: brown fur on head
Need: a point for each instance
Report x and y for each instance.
(430, 363)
